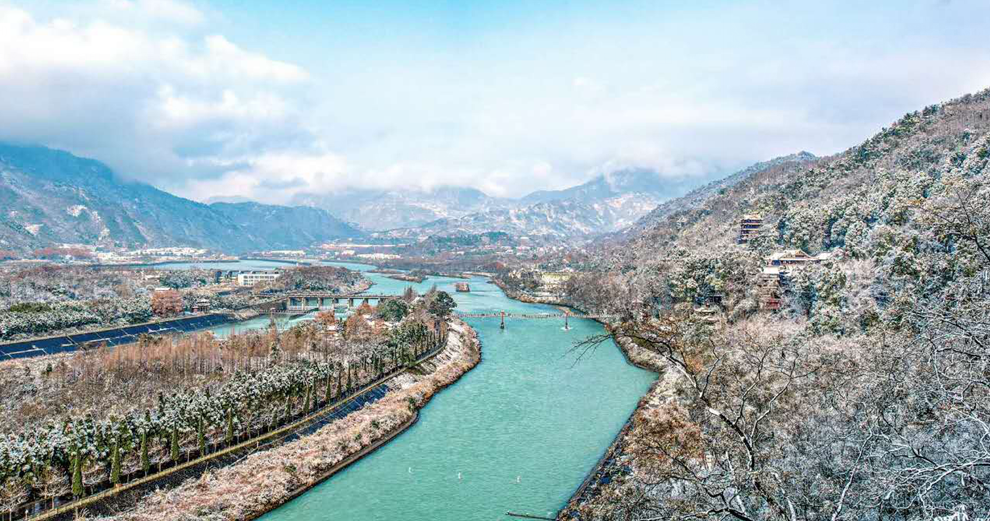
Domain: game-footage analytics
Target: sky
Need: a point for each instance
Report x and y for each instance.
(272, 100)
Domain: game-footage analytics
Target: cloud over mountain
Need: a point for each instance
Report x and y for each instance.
(171, 104)
(268, 103)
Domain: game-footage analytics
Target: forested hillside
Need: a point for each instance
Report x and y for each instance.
(848, 386)
(605, 204)
(698, 196)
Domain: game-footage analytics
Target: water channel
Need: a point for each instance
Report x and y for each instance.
(518, 433)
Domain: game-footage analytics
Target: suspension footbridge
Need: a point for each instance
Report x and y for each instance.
(533, 316)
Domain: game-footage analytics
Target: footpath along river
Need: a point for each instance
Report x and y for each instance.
(518, 433)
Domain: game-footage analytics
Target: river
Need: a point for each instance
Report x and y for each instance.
(518, 433)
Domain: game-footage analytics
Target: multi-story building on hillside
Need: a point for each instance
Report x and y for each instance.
(749, 226)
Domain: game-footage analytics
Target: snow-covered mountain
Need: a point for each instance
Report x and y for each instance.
(389, 209)
(605, 204)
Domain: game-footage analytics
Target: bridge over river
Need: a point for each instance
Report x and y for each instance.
(310, 301)
(533, 316)
(307, 301)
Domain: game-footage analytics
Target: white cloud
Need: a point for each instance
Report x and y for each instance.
(164, 106)
(273, 177)
(163, 91)
(165, 10)
(173, 11)
(588, 85)
(225, 56)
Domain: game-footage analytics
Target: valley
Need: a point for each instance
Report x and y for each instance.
(457, 261)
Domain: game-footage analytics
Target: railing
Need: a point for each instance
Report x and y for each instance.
(44, 509)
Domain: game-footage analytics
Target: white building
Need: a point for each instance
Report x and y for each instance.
(250, 278)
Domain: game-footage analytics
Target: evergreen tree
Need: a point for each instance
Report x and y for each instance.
(230, 426)
(175, 444)
(77, 481)
(201, 434)
(115, 464)
(145, 460)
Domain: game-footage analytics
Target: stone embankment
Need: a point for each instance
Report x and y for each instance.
(262, 481)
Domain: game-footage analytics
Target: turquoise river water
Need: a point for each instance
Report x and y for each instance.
(518, 433)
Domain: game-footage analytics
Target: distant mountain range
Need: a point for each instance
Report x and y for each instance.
(50, 196)
(605, 204)
(377, 210)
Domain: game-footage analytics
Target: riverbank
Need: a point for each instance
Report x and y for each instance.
(526, 297)
(263, 481)
(154, 264)
(400, 275)
(613, 472)
(608, 476)
(293, 262)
